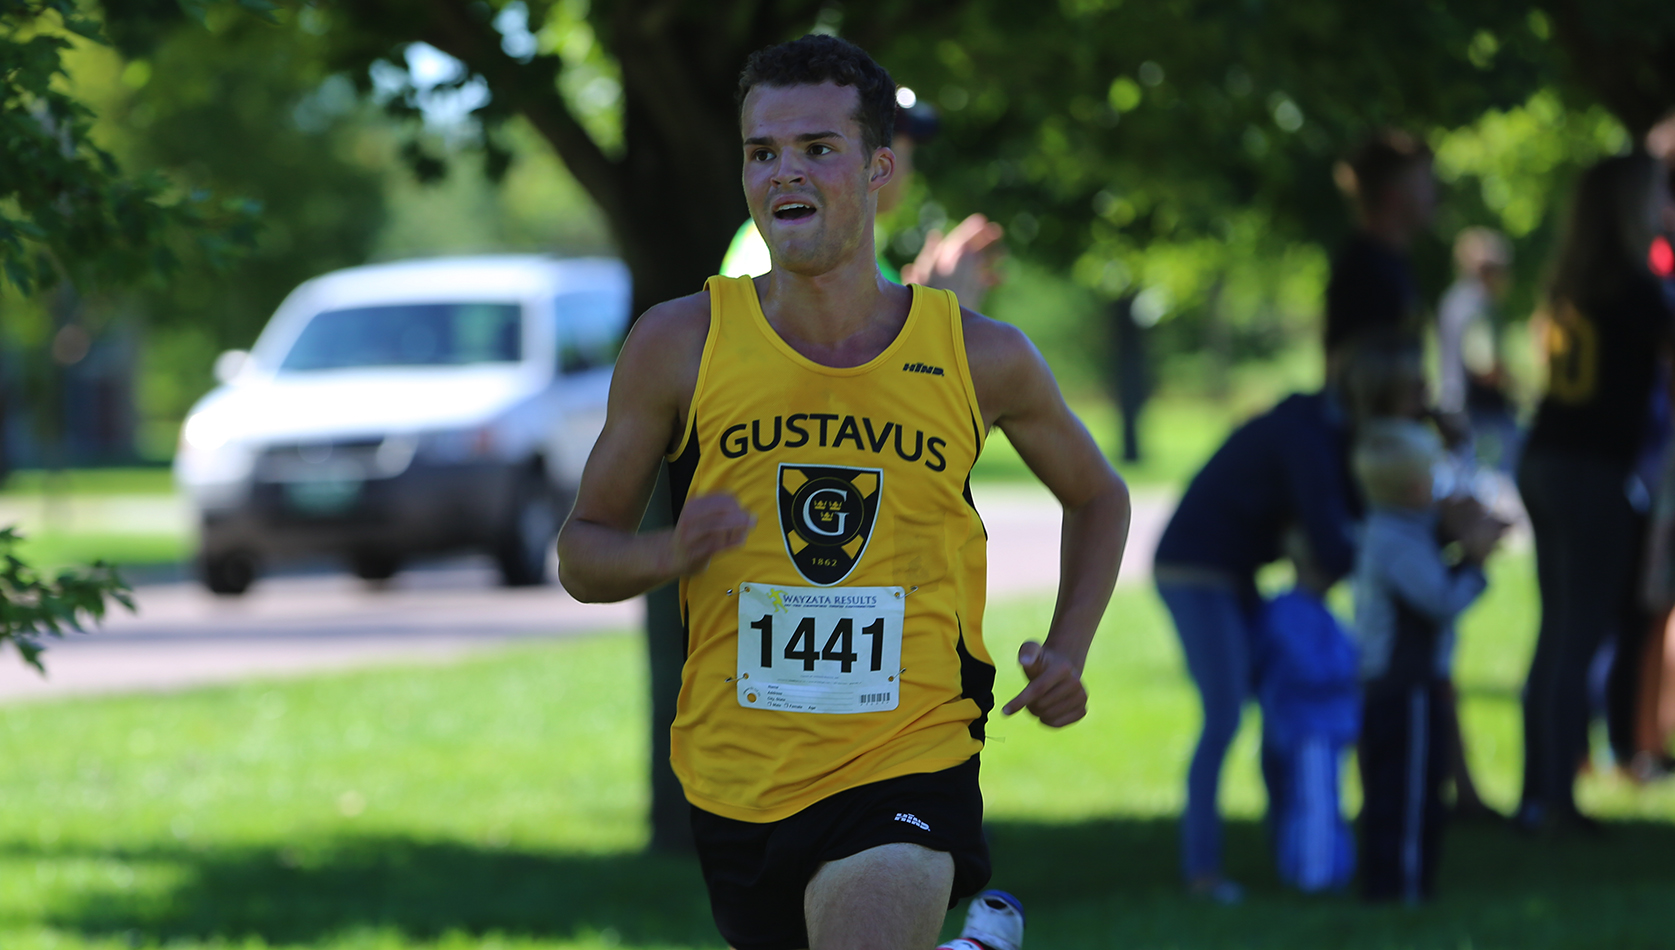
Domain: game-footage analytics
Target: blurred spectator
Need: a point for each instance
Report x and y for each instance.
(964, 260)
(1288, 467)
(1473, 379)
(1607, 323)
(1131, 372)
(1660, 140)
(1393, 388)
(1654, 708)
(1617, 669)
(1650, 759)
(1311, 712)
(1406, 599)
(1388, 180)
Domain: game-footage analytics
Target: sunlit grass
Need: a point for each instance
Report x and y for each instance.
(90, 481)
(499, 802)
(51, 551)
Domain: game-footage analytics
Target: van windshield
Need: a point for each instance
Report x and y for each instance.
(415, 334)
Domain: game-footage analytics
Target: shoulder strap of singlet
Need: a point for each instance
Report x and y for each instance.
(956, 328)
(721, 291)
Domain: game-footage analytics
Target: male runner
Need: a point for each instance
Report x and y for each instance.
(821, 423)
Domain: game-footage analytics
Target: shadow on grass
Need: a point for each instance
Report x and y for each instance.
(1090, 884)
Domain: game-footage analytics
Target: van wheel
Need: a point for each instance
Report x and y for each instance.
(230, 574)
(525, 548)
(374, 565)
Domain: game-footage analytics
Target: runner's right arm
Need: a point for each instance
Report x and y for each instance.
(602, 554)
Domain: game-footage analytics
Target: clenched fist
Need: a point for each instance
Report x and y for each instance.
(708, 525)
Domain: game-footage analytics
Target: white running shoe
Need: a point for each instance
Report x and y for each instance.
(994, 921)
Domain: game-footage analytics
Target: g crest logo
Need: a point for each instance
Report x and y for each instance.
(826, 514)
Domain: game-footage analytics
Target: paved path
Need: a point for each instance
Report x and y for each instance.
(183, 636)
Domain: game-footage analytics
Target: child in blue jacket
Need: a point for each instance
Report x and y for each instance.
(1311, 713)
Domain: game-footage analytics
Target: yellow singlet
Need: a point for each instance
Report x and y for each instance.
(842, 643)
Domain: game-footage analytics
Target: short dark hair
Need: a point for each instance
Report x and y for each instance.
(817, 58)
(1378, 162)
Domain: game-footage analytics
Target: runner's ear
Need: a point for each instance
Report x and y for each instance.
(883, 167)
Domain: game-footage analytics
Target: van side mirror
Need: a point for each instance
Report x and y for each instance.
(229, 364)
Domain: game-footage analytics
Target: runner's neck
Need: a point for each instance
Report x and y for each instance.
(844, 317)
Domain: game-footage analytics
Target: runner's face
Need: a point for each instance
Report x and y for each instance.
(809, 180)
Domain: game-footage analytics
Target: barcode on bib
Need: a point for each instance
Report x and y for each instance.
(867, 698)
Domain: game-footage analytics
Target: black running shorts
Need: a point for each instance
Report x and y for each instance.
(757, 871)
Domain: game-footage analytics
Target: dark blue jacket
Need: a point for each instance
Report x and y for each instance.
(1288, 466)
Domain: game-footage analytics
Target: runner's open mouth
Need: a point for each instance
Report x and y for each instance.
(793, 212)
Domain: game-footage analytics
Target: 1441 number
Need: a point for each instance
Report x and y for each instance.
(839, 648)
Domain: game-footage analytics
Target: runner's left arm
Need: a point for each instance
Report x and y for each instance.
(1016, 392)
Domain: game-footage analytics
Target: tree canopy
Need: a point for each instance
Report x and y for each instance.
(67, 210)
(1091, 129)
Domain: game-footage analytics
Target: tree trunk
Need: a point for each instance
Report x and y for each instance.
(671, 831)
(673, 202)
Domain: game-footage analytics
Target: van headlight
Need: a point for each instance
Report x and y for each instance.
(212, 454)
(206, 431)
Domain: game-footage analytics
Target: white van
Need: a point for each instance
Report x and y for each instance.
(404, 409)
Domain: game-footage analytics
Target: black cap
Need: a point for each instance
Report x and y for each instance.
(918, 122)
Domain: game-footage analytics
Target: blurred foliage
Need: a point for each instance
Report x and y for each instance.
(1512, 169)
(33, 606)
(67, 209)
(211, 100)
(1111, 128)
(243, 107)
(70, 216)
(1182, 152)
(1518, 157)
(535, 206)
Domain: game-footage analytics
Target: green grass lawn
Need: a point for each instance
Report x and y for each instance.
(498, 802)
(30, 492)
(60, 549)
(91, 481)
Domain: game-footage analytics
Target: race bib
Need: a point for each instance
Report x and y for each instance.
(820, 649)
